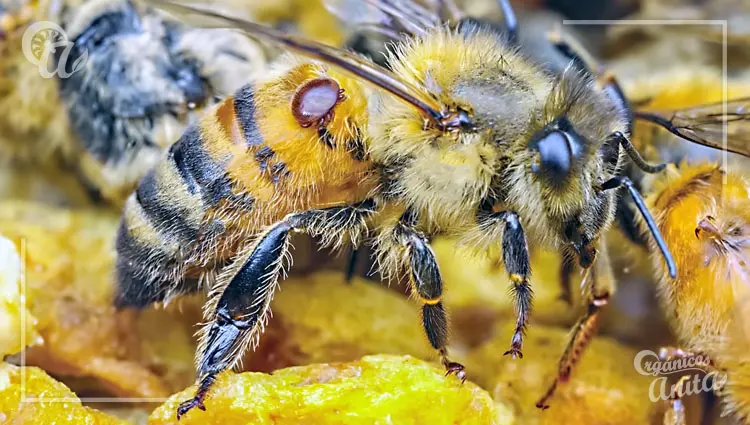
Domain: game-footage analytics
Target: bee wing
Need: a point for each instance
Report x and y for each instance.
(191, 12)
(209, 17)
(705, 124)
(390, 17)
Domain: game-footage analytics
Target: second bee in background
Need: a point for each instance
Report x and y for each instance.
(703, 212)
(125, 83)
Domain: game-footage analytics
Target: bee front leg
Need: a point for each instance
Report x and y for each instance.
(566, 269)
(675, 413)
(517, 265)
(240, 301)
(599, 285)
(427, 284)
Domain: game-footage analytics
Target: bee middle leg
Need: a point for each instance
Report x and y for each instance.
(427, 285)
(599, 285)
(244, 289)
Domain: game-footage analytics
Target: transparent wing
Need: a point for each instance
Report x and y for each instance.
(207, 17)
(705, 124)
(393, 18)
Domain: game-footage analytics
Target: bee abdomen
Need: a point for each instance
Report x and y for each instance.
(163, 224)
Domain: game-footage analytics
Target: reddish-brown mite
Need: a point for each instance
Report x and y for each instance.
(314, 101)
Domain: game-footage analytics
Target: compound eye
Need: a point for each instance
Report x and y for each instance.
(555, 155)
(314, 101)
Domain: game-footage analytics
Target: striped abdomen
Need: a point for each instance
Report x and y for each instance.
(165, 218)
(243, 167)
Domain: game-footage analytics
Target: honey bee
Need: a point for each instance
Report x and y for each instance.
(703, 211)
(461, 135)
(128, 82)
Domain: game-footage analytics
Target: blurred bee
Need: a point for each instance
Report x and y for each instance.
(309, 18)
(461, 136)
(128, 82)
(735, 12)
(696, 33)
(370, 30)
(701, 123)
(704, 213)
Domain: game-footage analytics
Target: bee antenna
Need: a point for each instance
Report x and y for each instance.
(616, 182)
(635, 156)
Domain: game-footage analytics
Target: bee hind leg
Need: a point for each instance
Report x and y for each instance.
(240, 300)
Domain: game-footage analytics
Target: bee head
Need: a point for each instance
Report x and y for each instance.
(557, 148)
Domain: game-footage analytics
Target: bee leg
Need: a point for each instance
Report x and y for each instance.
(566, 269)
(517, 265)
(244, 289)
(351, 265)
(427, 284)
(516, 262)
(598, 291)
(675, 413)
